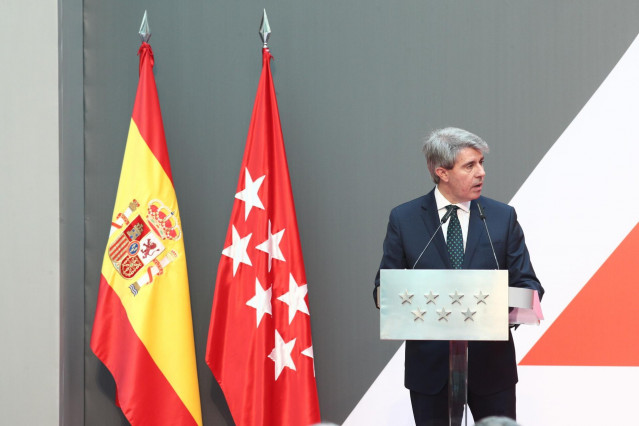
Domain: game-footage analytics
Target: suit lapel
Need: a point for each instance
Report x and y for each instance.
(475, 231)
(431, 221)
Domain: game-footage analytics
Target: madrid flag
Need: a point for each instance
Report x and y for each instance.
(143, 330)
(259, 346)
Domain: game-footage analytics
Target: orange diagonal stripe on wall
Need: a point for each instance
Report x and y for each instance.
(599, 327)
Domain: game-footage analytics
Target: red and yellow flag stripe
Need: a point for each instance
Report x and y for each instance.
(145, 337)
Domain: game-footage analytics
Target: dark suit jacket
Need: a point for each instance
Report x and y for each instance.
(491, 365)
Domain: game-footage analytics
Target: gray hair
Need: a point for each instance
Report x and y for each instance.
(443, 145)
(496, 421)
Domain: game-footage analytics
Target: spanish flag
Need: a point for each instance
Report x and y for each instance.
(143, 330)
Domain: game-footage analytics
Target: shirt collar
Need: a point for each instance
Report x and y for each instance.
(442, 202)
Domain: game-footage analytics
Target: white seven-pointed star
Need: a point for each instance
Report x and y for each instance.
(272, 246)
(237, 250)
(261, 302)
(309, 353)
(249, 193)
(295, 299)
(281, 354)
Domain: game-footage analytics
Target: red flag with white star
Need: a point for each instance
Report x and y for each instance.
(259, 345)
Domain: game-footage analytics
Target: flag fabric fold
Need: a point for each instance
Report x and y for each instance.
(259, 344)
(143, 329)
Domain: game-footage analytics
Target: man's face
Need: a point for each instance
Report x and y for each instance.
(465, 180)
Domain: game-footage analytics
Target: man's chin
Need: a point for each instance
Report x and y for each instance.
(475, 194)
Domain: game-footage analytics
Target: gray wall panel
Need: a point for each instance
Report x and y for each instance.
(359, 84)
(72, 314)
(29, 200)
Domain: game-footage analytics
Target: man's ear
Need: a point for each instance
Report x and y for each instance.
(442, 173)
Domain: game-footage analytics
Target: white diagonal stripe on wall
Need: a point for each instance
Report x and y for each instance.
(586, 188)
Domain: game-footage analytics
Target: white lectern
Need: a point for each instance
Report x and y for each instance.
(452, 304)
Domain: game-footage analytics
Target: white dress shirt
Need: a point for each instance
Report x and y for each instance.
(463, 213)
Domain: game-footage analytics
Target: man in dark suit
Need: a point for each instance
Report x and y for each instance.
(455, 161)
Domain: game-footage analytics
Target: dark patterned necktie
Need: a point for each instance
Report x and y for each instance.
(454, 239)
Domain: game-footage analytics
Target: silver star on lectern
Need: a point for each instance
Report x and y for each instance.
(431, 297)
(456, 298)
(469, 315)
(481, 298)
(443, 314)
(406, 297)
(419, 314)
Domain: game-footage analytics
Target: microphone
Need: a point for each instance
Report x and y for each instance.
(483, 218)
(441, 222)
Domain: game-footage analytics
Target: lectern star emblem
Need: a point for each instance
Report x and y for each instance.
(469, 315)
(431, 297)
(481, 298)
(456, 297)
(419, 314)
(443, 314)
(406, 297)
